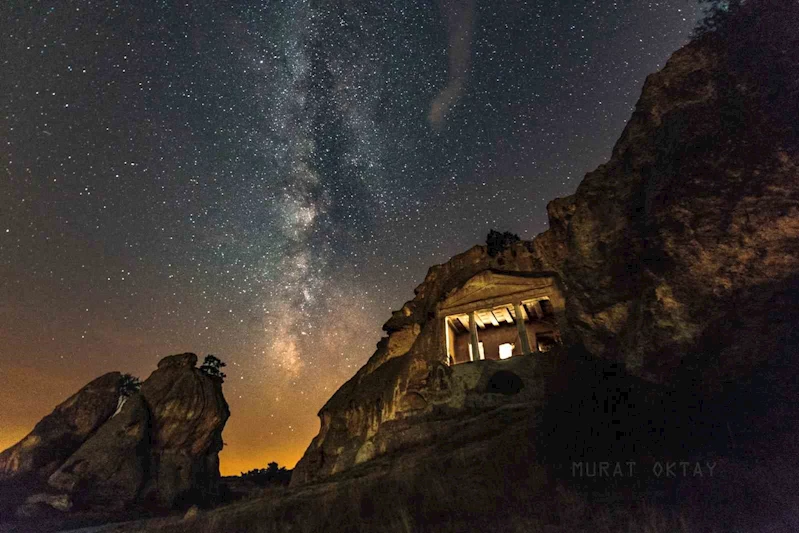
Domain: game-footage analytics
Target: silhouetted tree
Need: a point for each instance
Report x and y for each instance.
(271, 475)
(497, 241)
(212, 366)
(129, 385)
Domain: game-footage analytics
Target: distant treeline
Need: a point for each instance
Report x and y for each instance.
(271, 475)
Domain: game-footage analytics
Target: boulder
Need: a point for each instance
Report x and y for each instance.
(157, 448)
(59, 502)
(63, 431)
(188, 413)
(110, 468)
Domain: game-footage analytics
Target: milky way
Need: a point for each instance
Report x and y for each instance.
(265, 181)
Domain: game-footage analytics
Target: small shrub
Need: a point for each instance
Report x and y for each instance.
(212, 366)
(497, 241)
(130, 384)
(271, 475)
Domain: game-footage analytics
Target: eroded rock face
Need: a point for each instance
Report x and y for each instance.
(406, 375)
(159, 449)
(62, 432)
(188, 414)
(110, 468)
(690, 231)
(684, 247)
(679, 258)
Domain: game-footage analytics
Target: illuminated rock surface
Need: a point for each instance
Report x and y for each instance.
(159, 450)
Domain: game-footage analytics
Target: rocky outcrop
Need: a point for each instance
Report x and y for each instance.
(188, 414)
(405, 377)
(678, 259)
(682, 252)
(111, 467)
(159, 448)
(62, 432)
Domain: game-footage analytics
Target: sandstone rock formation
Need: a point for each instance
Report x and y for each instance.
(110, 468)
(188, 414)
(159, 449)
(678, 259)
(62, 432)
(406, 376)
(682, 251)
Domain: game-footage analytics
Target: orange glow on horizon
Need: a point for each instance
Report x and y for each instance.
(233, 462)
(273, 412)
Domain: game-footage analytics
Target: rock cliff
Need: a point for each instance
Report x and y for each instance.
(678, 258)
(158, 449)
(404, 377)
(682, 251)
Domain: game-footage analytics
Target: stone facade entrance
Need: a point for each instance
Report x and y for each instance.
(497, 315)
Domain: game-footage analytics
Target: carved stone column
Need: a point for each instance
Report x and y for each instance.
(520, 327)
(475, 341)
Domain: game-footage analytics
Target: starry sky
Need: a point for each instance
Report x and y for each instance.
(266, 180)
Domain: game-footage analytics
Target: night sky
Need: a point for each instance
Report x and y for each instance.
(266, 181)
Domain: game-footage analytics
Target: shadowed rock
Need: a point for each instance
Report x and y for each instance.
(188, 414)
(110, 468)
(689, 236)
(504, 382)
(159, 448)
(62, 432)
